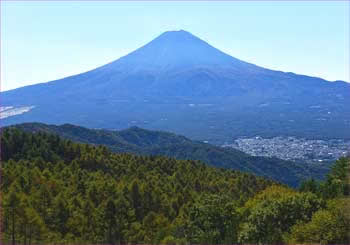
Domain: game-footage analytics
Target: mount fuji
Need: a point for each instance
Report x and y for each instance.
(180, 83)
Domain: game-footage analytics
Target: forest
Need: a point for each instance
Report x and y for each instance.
(149, 142)
(54, 190)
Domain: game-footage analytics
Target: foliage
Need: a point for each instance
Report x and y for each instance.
(330, 224)
(147, 142)
(271, 213)
(57, 191)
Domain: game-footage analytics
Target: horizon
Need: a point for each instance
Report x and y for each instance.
(32, 56)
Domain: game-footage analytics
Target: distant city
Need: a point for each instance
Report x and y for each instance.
(292, 148)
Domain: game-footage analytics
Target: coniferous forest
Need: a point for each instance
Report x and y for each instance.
(147, 142)
(54, 190)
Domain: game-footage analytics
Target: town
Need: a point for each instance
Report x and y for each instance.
(292, 148)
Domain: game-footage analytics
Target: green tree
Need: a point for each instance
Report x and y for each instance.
(274, 211)
(327, 226)
(12, 204)
(110, 217)
(136, 199)
(213, 220)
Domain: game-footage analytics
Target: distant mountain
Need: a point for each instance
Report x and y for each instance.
(146, 142)
(180, 83)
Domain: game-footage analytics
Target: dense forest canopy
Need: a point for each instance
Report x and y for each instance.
(57, 191)
(147, 142)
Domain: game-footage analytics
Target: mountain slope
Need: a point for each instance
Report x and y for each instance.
(179, 83)
(145, 142)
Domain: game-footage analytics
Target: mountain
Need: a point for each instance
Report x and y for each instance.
(179, 83)
(146, 142)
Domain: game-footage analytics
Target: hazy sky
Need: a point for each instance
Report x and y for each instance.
(43, 41)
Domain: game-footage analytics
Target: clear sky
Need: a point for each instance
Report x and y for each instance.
(43, 41)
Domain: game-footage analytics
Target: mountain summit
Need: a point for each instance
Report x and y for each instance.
(180, 83)
(177, 49)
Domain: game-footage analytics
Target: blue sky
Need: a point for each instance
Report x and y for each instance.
(43, 41)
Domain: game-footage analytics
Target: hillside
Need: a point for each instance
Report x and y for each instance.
(65, 191)
(146, 142)
(57, 191)
(180, 83)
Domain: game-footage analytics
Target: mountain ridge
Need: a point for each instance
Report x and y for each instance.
(145, 142)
